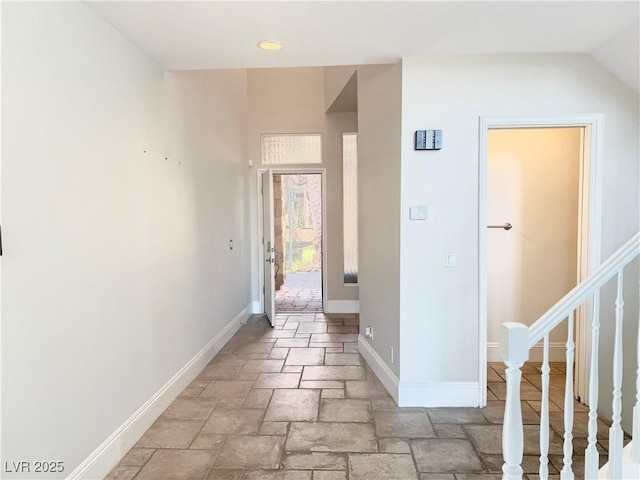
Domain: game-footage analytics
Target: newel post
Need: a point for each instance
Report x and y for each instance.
(514, 348)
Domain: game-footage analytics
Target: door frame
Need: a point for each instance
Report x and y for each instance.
(293, 171)
(589, 228)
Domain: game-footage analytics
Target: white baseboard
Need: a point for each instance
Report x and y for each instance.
(107, 455)
(256, 307)
(435, 394)
(438, 394)
(342, 306)
(379, 367)
(557, 352)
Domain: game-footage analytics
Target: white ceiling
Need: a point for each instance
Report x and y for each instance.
(224, 34)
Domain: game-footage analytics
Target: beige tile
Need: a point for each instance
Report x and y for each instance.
(170, 434)
(383, 403)
(231, 360)
(345, 410)
(218, 372)
(177, 465)
(279, 353)
(190, 408)
(259, 356)
(333, 337)
(208, 441)
(312, 328)
(234, 421)
(248, 376)
(292, 343)
(293, 406)
(403, 424)
(315, 461)
(350, 348)
(332, 393)
(334, 350)
(329, 475)
(277, 380)
(229, 403)
(242, 451)
(456, 415)
(261, 347)
(445, 455)
(341, 329)
(137, 456)
(262, 366)
(305, 356)
(367, 389)
(343, 359)
(394, 445)
(272, 334)
(195, 388)
(331, 437)
(329, 345)
(274, 428)
(318, 384)
(224, 474)
(333, 373)
(258, 398)
(277, 475)
(437, 476)
(449, 431)
(488, 439)
(381, 466)
(227, 389)
(122, 472)
(292, 369)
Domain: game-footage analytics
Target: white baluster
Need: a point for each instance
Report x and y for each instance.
(636, 408)
(567, 472)
(592, 457)
(544, 411)
(615, 432)
(514, 348)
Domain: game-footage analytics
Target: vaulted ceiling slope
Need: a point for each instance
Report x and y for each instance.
(224, 34)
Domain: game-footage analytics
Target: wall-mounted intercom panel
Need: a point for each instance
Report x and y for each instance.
(428, 139)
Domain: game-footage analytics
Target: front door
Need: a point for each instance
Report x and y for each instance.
(268, 245)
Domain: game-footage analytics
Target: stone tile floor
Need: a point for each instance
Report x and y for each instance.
(297, 402)
(301, 292)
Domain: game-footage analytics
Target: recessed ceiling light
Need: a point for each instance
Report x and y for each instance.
(270, 45)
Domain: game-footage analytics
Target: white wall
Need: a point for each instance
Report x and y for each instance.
(621, 55)
(532, 182)
(116, 263)
(439, 310)
(379, 128)
(291, 100)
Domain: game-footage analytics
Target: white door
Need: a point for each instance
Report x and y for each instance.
(532, 184)
(268, 246)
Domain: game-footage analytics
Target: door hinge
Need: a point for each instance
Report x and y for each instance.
(263, 290)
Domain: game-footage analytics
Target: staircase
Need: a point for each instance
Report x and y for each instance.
(515, 342)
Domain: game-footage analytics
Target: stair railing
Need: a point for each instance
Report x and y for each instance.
(517, 339)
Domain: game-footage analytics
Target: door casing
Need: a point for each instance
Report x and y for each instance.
(589, 229)
(261, 258)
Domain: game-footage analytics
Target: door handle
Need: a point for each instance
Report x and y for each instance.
(506, 226)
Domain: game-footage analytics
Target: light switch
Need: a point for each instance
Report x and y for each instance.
(449, 259)
(419, 212)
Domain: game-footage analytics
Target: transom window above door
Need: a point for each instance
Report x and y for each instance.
(288, 149)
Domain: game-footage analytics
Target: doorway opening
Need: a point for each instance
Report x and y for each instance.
(539, 233)
(298, 242)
